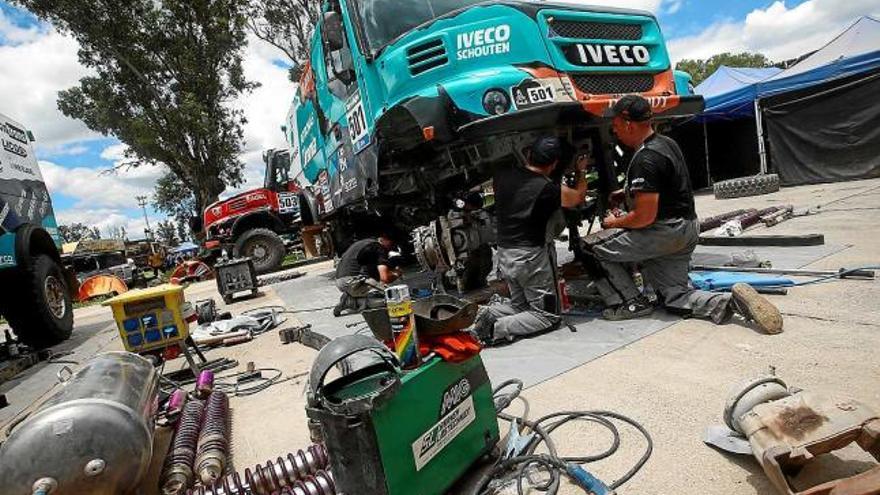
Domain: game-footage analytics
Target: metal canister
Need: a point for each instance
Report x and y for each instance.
(94, 435)
(403, 326)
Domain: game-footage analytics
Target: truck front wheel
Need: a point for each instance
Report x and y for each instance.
(264, 247)
(41, 313)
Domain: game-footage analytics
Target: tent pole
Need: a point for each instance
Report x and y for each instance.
(759, 124)
(706, 147)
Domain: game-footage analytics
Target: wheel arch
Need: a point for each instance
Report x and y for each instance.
(31, 241)
(261, 220)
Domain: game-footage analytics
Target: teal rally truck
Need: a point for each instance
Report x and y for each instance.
(36, 291)
(404, 108)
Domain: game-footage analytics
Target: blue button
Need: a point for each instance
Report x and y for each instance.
(170, 332)
(135, 340)
(153, 336)
(131, 325)
(150, 320)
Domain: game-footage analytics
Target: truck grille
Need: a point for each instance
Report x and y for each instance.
(596, 30)
(426, 56)
(601, 84)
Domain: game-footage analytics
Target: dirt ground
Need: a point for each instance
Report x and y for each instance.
(675, 382)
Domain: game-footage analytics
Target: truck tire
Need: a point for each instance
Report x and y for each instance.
(747, 186)
(263, 246)
(42, 310)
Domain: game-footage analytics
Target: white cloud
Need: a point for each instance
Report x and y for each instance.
(105, 219)
(265, 108)
(97, 188)
(778, 31)
(673, 6)
(35, 69)
(14, 34)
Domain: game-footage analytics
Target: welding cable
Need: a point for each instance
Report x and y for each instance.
(551, 462)
(237, 389)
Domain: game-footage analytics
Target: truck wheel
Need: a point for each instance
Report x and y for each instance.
(42, 313)
(264, 247)
(747, 186)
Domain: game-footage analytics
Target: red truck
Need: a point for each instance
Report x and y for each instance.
(263, 223)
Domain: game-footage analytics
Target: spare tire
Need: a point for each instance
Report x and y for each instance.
(742, 187)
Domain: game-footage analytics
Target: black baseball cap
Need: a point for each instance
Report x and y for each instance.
(633, 108)
(545, 151)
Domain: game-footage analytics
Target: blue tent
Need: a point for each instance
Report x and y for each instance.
(731, 91)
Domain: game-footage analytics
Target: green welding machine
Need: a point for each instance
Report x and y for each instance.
(395, 432)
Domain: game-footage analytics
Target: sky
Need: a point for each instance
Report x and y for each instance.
(39, 61)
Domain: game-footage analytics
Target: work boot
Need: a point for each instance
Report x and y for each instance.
(636, 308)
(757, 308)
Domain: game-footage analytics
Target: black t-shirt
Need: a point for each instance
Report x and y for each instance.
(652, 171)
(524, 203)
(362, 258)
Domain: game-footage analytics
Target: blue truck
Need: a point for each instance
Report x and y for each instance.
(36, 291)
(404, 108)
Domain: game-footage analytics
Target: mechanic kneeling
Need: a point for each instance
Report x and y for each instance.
(660, 232)
(528, 208)
(363, 272)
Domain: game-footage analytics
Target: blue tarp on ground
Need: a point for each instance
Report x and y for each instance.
(731, 92)
(718, 281)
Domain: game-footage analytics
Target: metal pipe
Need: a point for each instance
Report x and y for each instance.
(866, 274)
(94, 435)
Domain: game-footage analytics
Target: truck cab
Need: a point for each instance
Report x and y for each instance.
(37, 299)
(404, 107)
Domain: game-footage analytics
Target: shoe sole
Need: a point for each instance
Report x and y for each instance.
(631, 316)
(763, 312)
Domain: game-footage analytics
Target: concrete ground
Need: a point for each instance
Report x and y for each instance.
(674, 382)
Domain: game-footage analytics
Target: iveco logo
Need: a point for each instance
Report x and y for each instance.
(15, 133)
(618, 55)
(482, 42)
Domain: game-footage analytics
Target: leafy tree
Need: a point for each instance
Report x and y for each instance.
(165, 73)
(183, 230)
(173, 197)
(287, 25)
(77, 232)
(166, 233)
(700, 70)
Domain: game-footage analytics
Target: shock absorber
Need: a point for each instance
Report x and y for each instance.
(213, 445)
(177, 474)
(302, 469)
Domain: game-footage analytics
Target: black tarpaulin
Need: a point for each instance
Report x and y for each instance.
(826, 133)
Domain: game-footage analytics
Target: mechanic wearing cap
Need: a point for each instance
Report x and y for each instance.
(660, 232)
(363, 272)
(528, 210)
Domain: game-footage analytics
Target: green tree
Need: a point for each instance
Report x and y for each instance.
(175, 198)
(166, 233)
(78, 231)
(287, 25)
(700, 70)
(164, 76)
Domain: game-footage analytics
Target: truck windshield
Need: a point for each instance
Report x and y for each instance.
(385, 20)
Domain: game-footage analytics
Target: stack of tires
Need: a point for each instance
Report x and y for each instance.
(747, 186)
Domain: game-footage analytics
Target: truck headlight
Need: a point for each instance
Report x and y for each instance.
(496, 102)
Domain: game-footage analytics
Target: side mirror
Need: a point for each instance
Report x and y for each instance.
(30, 136)
(333, 32)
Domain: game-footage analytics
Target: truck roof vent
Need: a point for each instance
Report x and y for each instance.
(595, 30)
(603, 84)
(426, 56)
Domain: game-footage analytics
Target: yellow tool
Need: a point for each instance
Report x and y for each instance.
(150, 319)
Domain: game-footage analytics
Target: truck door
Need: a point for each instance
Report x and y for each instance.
(348, 133)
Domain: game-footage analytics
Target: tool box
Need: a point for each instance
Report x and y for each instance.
(395, 432)
(235, 276)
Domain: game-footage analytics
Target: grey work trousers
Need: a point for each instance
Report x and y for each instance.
(356, 292)
(530, 273)
(663, 250)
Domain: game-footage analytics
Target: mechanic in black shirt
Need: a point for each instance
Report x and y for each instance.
(661, 231)
(528, 207)
(363, 268)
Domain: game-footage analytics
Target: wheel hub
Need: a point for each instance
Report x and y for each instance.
(259, 251)
(53, 289)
